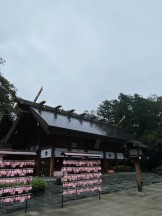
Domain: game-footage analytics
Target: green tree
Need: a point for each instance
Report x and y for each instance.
(143, 116)
(90, 114)
(8, 100)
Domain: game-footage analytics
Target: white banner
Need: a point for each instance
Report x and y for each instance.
(110, 155)
(46, 153)
(120, 156)
(58, 173)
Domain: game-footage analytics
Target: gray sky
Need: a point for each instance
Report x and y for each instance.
(82, 51)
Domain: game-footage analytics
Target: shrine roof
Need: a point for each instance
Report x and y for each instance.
(56, 119)
(78, 124)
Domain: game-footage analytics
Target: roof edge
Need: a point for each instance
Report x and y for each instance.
(42, 122)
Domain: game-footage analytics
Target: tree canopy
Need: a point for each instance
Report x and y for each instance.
(143, 116)
(137, 115)
(7, 98)
(7, 103)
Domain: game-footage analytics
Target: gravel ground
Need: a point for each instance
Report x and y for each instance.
(52, 196)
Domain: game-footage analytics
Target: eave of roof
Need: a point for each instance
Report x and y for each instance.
(136, 143)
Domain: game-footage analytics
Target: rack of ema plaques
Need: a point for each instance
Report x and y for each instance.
(81, 176)
(16, 171)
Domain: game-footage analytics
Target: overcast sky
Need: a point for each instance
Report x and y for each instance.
(82, 51)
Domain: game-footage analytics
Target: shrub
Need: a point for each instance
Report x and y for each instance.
(158, 169)
(38, 185)
(122, 169)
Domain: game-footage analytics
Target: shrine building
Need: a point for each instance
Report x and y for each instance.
(49, 131)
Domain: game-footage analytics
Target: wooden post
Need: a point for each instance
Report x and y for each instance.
(38, 163)
(116, 161)
(138, 174)
(105, 162)
(52, 157)
(38, 160)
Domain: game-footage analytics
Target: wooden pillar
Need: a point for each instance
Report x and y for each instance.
(37, 163)
(105, 162)
(138, 174)
(125, 163)
(52, 157)
(69, 143)
(38, 160)
(116, 162)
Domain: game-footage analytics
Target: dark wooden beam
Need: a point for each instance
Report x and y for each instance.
(42, 102)
(38, 158)
(70, 111)
(82, 114)
(92, 117)
(41, 89)
(57, 107)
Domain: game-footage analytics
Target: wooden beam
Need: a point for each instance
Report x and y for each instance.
(70, 111)
(41, 89)
(58, 107)
(10, 132)
(52, 157)
(43, 102)
(105, 162)
(116, 161)
(82, 114)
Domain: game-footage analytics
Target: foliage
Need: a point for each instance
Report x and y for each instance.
(7, 96)
(158, 169)
(5, 185)
(10, 185)
(90, 114)
(38, 184)
(143, 117)
(8, 100)
(2, 61)
(155, 155)
(121, 168)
